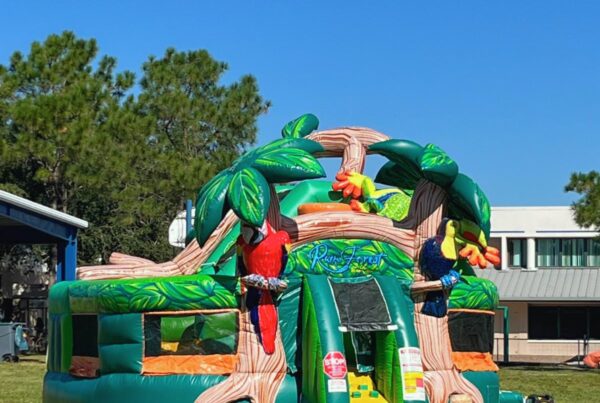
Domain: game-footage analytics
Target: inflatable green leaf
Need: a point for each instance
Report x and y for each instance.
(249, 196)
(309, 146)
(210, 205)
(400, 151)
(467, 200)
(300, 127)
(282, 160)
(437, 166)
(409, 162)
(404, 170)
(284, 165)
(393, 174)
(154, 294)
(474, 293)
(248, 159)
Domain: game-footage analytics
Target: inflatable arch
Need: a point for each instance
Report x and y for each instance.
(294, 288)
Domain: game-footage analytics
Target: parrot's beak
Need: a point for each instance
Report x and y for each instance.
(253, 235)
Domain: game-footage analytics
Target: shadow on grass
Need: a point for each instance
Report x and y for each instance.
(37, 359)
(546, 368)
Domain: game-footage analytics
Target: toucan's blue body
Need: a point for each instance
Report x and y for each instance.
(436, 267)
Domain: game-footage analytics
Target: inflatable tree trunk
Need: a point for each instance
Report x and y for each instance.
(258, 374)
(442, 379)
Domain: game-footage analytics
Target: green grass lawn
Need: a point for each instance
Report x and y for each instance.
(566, 384)
(22, 382)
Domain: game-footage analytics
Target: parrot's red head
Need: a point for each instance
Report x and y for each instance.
(254, 235)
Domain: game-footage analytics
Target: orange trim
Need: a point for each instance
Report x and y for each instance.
(473, 311)
(308, 208)
(84, 367)
(189, 364)
(473, 361)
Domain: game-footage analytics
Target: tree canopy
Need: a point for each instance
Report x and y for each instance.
(587, 208)
(124, 154)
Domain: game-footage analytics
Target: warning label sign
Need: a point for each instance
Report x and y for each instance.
(336, 385)
(334, 365)
(411, 369)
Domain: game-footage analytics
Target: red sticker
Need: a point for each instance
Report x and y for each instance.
(334, 365)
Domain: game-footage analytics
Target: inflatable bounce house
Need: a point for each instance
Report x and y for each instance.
(294, 288)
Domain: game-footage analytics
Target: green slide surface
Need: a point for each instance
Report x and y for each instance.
(321, 335)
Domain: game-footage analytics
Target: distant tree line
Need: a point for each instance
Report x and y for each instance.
(120, 151)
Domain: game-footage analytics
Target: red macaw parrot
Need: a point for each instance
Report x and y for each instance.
(264, 254)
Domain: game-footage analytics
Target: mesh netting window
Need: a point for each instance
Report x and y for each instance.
(191, 334)
(85, 335)
(471, 331)
(361, 306)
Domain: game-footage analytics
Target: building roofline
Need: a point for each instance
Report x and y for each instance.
(531, 207)
(546, 285)
(42, 210)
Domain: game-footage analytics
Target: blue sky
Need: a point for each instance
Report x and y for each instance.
(511, 89)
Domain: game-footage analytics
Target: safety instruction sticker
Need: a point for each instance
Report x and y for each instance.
(411, 368)
(336, 385)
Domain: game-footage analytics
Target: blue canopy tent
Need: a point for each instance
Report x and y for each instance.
(25, 222)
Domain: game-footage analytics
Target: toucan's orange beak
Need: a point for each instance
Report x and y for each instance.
(492, 255)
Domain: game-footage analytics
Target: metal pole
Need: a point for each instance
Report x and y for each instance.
(506, 323)
(188, 216)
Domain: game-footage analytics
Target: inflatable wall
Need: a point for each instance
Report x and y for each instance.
(294, 288)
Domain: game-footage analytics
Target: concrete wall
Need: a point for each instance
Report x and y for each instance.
(531, 223)
(521, 349)
(530, 220)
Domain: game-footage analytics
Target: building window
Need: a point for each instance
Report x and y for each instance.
(568, 252)
(517, 253)
(564, 322)
(593, 257)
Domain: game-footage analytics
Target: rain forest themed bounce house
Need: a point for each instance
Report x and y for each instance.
(294, 288)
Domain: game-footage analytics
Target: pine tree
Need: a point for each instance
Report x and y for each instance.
(72, 136)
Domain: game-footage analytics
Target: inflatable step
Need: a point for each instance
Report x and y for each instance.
(362, 389)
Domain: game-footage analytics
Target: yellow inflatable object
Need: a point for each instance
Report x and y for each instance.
(362, 389)
(169, 346)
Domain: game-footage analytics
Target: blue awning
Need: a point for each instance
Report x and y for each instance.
(25, 222)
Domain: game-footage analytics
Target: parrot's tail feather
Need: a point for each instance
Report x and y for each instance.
(252, 301)
(267, 322)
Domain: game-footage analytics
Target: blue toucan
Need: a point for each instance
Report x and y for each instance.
(435, 266)
(457, 239)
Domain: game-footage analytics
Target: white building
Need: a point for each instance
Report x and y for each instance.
(550, 282)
